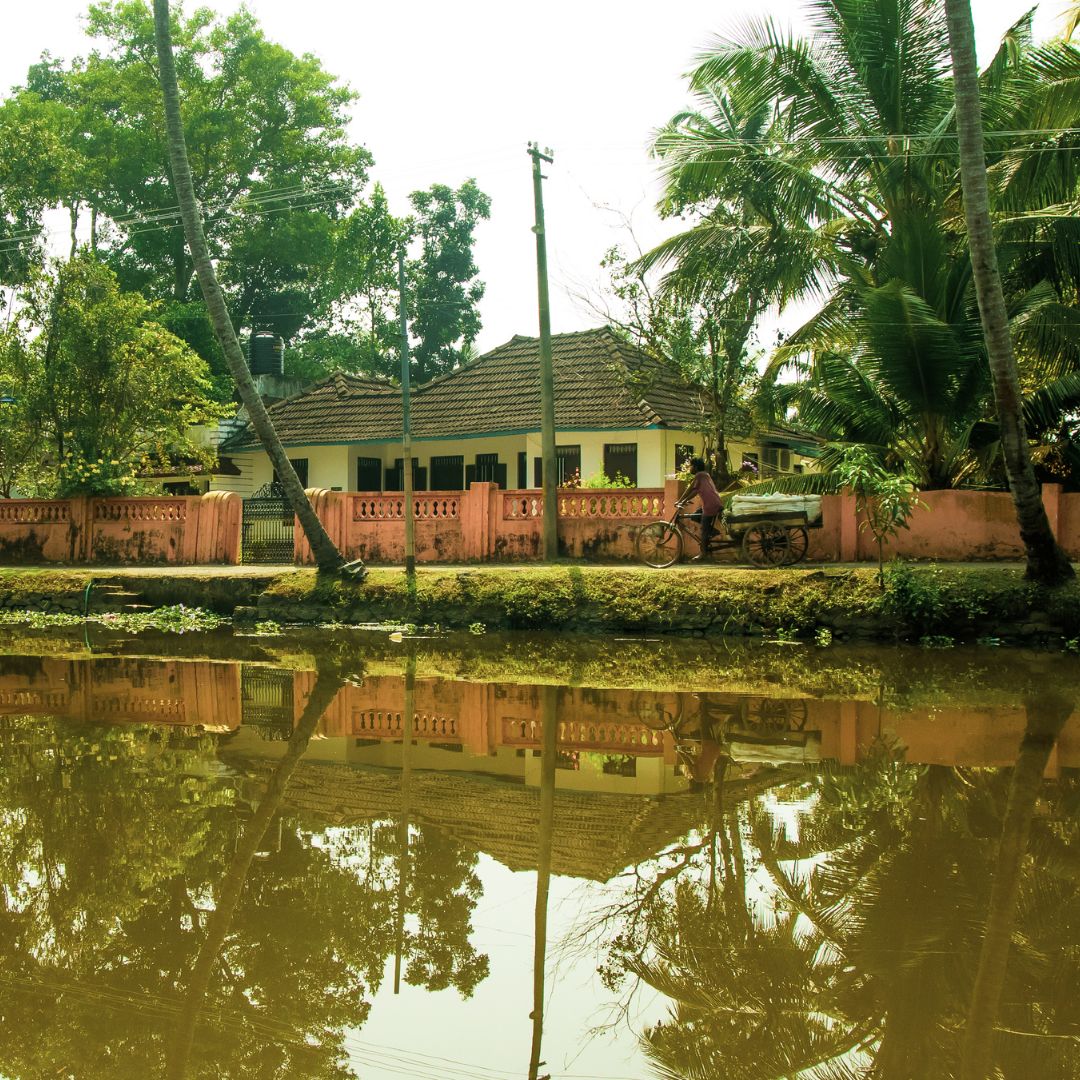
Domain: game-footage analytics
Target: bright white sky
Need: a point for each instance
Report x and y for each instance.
(456, 89)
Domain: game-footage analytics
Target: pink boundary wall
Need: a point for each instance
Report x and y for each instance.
(182, 530)
(483, 523)
(487, 524)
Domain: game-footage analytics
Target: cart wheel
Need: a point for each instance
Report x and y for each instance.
(798, 542)
(659, 544)
(766, 545)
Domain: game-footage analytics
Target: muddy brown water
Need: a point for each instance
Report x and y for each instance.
(332, 854)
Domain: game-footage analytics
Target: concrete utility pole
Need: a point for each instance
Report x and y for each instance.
(406, 428)
(547, 376)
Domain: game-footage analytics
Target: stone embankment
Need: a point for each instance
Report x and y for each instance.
(919, 601)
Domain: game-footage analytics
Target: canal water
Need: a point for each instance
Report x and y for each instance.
(336, 855)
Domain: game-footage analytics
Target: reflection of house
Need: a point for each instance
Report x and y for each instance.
(616, 412)
(594, 837)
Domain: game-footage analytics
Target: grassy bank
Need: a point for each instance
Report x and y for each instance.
(964, 602)
(919, 602)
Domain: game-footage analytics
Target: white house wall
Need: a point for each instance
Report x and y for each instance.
(334, 466)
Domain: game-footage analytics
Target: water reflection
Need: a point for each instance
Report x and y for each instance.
(212, 868)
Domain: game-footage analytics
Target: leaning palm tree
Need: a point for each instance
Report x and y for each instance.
(327, 556)
(1046, 561)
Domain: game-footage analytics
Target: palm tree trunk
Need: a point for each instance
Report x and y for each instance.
(1046, 716)
(327, 556)
(1046, 562)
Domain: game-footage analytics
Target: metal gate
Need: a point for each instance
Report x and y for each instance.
(267, 697)
(267, 534)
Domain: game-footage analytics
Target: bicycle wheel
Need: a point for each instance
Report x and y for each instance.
(659, 544)
(766, 545)
(798, 542)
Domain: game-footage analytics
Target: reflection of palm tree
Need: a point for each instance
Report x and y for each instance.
(849, 951)
(326, 686)
(1046, 716)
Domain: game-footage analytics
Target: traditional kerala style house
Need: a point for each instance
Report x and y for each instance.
(616, 412)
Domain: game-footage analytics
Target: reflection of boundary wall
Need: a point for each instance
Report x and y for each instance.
(481, 717)
(180, 530)
(487, 524)
(113, 690)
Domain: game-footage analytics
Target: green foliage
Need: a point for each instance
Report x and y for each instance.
(598, 480)
(176, 619)
(444, 291)
(272, 163)
(937, 641)
(834, 160)
(104, 390)
(702, 336)
(883, 499)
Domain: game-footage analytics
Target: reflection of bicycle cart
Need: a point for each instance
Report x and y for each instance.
(759, 717)
(764, 538)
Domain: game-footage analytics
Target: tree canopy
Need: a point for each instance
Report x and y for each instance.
(829, 166)
(302, 247)
(103, 394)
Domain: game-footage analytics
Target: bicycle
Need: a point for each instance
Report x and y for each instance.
(780, 542)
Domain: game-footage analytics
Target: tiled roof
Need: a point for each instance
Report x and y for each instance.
(601, 382)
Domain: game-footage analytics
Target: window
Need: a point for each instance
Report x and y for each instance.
(800, 468)
(300, 467)
(523, 469)
(620, 459)
(683, 455)
(448, 472)
(486, 470)
(368, 474)
(538, 472)
(776, 459)
(395, 478)
(568, 461)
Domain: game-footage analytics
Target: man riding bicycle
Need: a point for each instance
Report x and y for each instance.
(704, 490)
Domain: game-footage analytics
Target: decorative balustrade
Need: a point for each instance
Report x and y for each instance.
(522, 506)
(387, 724)
(140, 510)
(48, 701)
(586, 735)
(427, 506)
(35, 512)
(171, 709)
(622, 505)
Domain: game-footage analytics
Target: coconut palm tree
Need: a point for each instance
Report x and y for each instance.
(327, 556)
(1046, 561)
(853, 158)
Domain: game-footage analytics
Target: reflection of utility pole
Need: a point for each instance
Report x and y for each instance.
(549, 718)
(549, 478)
(406, 425)
(403, 824)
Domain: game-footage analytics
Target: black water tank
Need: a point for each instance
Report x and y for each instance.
(266, 354)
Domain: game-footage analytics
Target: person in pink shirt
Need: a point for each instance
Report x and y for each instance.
(704, 490)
